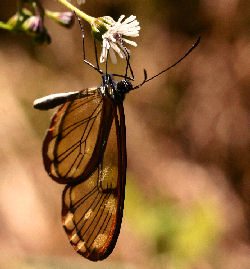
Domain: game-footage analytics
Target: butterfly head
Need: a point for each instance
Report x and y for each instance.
(124, 86)
(114, 89)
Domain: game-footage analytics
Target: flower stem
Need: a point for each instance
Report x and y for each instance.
(81, 14)
(19, 6)
(49, 13)
(5, 26)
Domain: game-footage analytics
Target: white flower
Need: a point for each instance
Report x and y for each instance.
(113, 40)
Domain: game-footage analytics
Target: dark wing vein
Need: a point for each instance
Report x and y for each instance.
(78, 124)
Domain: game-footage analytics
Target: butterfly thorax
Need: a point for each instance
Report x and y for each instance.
(115, 89)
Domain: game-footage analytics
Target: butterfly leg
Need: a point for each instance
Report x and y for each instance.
(83, 49)
(96, 57)
(128, 66)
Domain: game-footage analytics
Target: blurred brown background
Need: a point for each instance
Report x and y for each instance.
(187, 196)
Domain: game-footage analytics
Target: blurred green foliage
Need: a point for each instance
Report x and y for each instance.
(183, 234)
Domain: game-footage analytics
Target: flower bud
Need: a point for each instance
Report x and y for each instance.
(13, 20)
(17, 19)
(33, 25)
(65, 19)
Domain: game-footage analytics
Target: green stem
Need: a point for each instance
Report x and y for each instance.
(81, 14)
(19, 6)
(5, 26)
(49, 13)
(39, 8)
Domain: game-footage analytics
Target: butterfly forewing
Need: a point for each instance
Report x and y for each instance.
(72, 137)
(92, 209)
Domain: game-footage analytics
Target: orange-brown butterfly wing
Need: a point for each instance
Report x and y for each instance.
(73, 145)
(92, 210)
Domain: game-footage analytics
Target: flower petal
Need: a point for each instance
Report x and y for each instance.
(112, 56)
(129, 19)
(117, 50)
(121, 18)
(105, 49)
(130, 42)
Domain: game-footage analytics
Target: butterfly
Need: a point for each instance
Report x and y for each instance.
(85, 149)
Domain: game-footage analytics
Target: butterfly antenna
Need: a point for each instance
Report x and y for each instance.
(168, 68)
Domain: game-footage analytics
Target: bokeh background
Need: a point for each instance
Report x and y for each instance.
(187, 194)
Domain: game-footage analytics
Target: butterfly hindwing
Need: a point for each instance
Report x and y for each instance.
(92, 210)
